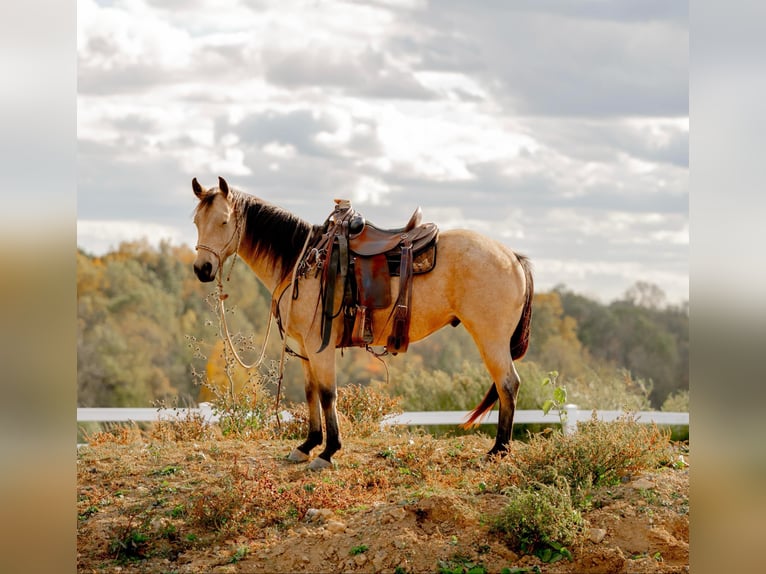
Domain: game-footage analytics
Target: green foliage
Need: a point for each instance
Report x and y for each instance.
(426, 390)
(360, 549)
(598, 454)
(460, 565)
(541, 519)
(637, 334)
(678, 402)
(146, 326)
(238, 555)
(129, 541)
(559, 396)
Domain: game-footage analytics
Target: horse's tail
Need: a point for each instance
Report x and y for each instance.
(482, 409)
(519, 344)
(520, 337)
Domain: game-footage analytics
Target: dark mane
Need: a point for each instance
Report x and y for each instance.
(271, 232)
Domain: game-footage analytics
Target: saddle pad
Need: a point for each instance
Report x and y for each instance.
(423, 261)
(373, 281)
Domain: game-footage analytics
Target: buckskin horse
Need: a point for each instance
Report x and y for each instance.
(477, 282)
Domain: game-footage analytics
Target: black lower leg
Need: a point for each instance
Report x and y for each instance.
(333, 445)
(314, 439)
(504, 429)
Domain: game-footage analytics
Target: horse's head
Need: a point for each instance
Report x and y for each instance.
(217, 229)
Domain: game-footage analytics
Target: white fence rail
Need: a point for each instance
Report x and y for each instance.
(416, 418)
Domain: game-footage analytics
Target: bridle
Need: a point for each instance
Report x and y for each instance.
(217, 253)
(274, 305)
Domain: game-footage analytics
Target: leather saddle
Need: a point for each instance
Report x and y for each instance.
(363, 257)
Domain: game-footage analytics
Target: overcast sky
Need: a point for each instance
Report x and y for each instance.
(559, 128)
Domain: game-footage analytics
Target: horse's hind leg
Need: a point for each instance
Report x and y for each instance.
(497, 359)
(507, 390)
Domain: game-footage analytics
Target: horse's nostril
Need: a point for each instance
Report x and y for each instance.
(204, 272)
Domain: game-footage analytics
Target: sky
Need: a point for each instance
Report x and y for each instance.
(558, 128)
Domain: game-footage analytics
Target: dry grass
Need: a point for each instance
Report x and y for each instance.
(178, 488)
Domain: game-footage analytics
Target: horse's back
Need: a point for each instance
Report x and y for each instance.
(476, 279)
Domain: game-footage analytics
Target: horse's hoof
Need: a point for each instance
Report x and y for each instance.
(297, 456)
(319, 464)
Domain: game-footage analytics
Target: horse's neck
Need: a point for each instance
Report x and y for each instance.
(268, 271)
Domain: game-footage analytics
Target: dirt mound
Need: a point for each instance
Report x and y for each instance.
(417, 505)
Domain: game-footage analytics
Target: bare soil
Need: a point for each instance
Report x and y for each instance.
(392, 503)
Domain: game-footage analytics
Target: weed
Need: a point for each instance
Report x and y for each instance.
(238, 555)
(129, 541)
(539, 517)
(87, 513)
(361, 549)
(598, 454)
(559, 398)
(365, 408)
(460, 565)
(166, 471)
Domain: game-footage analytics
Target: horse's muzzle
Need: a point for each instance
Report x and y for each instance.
(204, 272)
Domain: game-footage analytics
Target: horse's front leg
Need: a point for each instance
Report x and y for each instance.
(323, 366)
(314, 437)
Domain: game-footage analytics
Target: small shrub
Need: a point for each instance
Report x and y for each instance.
(129, 542)
(361, 549)
(365, 408)
(219, 508)
(678, 402)
(599, 453)
(539, 517)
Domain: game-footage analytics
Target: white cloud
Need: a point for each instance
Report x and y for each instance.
(570, 145)
(101, 236)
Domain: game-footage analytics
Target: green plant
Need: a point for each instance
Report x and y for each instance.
(460, 565)
(540, 517)
(559, 396)
(598, 454)
(129, 541)
(238, 555)
(362, 548)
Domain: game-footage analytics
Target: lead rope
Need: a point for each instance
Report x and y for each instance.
(221, 297)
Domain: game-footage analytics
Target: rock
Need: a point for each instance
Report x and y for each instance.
(360, 559)
(596, 535)
(335, 526)
(318, 516)
(642, 484)
(378, 561)
(393, 515)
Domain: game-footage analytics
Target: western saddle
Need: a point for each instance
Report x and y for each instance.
(362, 257)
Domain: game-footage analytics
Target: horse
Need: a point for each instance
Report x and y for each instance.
(477, 281)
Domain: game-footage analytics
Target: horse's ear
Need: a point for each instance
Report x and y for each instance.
(199, 191)
(223, 186)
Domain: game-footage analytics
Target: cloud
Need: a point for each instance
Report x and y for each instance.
(558, 128)
(552, 59)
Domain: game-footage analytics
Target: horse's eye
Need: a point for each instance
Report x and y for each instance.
(225, 222)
